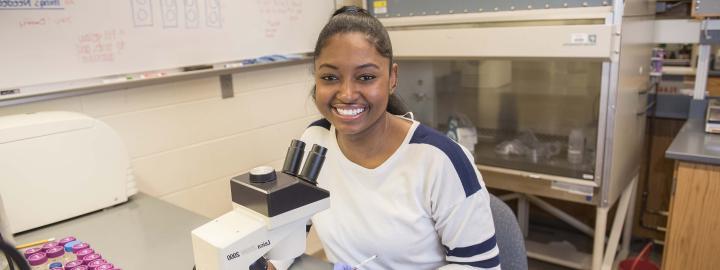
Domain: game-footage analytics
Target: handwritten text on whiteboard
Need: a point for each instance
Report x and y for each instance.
(30, 4)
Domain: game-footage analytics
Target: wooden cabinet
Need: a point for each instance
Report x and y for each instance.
(693, 237)
(713, 86)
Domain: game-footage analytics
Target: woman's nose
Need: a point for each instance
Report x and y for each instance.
(347, 91)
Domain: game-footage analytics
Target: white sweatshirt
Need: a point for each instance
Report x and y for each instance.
(425, 207)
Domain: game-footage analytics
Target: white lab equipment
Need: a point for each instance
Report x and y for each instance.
(5, 234)
(270, 212)
(58, 165)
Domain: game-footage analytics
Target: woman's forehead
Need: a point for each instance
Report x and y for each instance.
(350, 48)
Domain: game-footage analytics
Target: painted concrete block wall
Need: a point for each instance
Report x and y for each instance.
(185, 141)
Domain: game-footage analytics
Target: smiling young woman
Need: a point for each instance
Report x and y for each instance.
(399, 190)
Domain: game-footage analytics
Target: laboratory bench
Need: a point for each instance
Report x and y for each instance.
(692, 241)
(142, 233)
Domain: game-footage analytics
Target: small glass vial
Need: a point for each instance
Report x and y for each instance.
(31, 251)
(95, 263)
(38, 261)
(73, 264)
(55, 254)
(69, 255)
(90, 257)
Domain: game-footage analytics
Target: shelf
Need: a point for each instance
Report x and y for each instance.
(669, 70)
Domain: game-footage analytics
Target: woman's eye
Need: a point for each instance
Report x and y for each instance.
(366, 77)
(328, 78)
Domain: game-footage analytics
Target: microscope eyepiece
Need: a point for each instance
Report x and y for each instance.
(313, 164)
(294, 156)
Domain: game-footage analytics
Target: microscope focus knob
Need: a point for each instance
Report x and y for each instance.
(262, 174)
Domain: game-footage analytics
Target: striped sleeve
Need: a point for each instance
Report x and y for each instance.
(460, 205)
(468, 234)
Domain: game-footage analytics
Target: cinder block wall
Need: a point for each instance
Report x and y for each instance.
(185, 142)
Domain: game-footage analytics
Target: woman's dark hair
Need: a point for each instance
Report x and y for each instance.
(352, 19)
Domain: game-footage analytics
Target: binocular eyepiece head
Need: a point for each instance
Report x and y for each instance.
(313, 162)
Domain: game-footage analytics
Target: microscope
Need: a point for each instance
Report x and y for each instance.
(269, 216)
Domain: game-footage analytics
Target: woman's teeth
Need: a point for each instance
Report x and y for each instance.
(350, 112)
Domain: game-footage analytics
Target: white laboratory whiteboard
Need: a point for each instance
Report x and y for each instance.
(47, 41)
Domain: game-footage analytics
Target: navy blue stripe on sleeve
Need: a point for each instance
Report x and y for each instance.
(324, 123)
(489, 263)
(477, 249)
(464, 168)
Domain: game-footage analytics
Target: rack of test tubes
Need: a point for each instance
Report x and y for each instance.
(68, 253)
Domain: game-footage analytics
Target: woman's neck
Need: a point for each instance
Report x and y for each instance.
(375, 145)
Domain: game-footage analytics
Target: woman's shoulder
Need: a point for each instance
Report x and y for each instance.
(317, 132)
(320, 123)
(425, 135)
(453, 156)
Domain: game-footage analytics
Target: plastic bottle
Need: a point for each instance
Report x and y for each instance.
(55, 254)
(576, 146)
(31, 251)
(73, 264)
(38, 261)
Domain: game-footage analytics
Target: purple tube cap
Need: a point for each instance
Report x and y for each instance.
(90, 258)
(84, 252)
(49, 245)
(31, 251)
(73, 264)
(80, 267)
(80, 246)
(69, 245)
(55, 251)
(95, 263)
(66, 240)
(37, 259)
(107, 266)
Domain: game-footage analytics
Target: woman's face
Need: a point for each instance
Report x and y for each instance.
(353, 83)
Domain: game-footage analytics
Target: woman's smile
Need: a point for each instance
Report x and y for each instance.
(349, 111)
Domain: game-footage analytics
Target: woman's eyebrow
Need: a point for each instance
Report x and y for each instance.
(327, 66)
(367, 66)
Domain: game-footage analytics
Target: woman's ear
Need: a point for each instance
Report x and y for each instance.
(393, 77)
